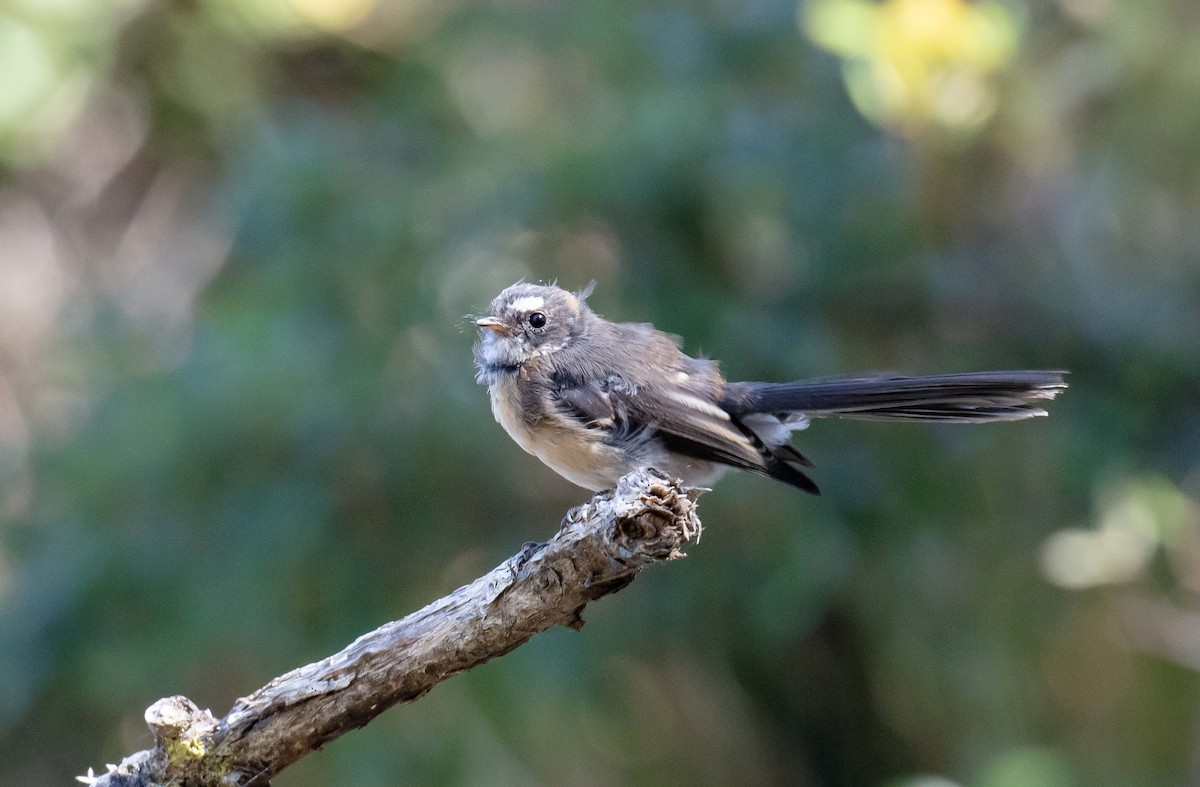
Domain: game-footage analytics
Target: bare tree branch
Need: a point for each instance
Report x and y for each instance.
(600, 548)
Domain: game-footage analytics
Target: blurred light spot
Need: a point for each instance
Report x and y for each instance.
(76, 10)
(32, 282)
(333, 15)
(1087, 11)
(268, 18)
(48, 60)
(27, 70)
(44, 127)
(964, 101)
(1081, 558)
(915, 64)
(1141, 515)
(1162, 629)
(923, 781)
(847, 27)
(1031, 766)
(108, 136)
(498, 87)
(593, 253)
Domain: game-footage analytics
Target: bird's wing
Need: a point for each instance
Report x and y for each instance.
(685, 421)
(652, 391)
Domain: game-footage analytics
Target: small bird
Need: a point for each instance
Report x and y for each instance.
(595, 399)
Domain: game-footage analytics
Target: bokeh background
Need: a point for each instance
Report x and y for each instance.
(239, 426)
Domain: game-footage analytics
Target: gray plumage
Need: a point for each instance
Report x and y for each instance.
(595, 399)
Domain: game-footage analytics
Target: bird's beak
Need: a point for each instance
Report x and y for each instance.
(493, 324)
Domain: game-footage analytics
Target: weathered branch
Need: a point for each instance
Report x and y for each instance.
(600, 548)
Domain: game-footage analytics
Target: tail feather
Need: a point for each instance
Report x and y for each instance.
(954, 398)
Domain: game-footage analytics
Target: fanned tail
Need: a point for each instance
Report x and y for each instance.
(976, 397)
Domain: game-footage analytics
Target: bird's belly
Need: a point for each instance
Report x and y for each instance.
(573, 451)
(581, 456)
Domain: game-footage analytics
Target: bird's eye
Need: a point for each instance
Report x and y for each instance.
(537, 319)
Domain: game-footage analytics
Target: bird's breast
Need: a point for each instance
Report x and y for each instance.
(572, 450)
(506, 408)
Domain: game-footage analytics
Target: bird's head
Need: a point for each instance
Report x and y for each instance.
(528, 321)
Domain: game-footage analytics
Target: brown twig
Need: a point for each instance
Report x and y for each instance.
(600, 548)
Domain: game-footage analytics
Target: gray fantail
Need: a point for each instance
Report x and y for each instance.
(595, 399)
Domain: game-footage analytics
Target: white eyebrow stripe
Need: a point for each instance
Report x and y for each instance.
(528, 303)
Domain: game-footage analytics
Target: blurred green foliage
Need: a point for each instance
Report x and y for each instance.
(238, 422)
